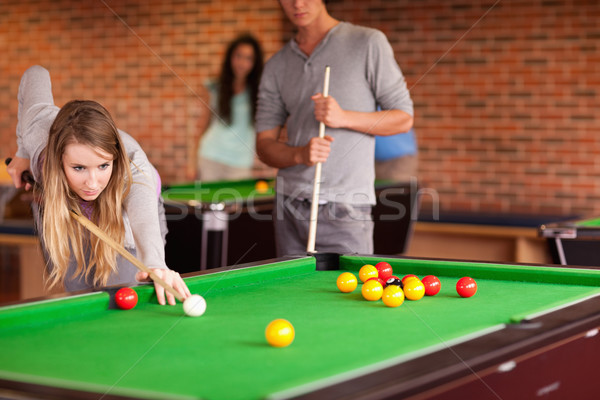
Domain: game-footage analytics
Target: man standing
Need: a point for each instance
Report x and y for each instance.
(364, 75)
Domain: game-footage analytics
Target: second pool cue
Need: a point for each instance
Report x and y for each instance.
(93, 228)
(314, 205)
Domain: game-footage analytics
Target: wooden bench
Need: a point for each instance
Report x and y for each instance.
(481, 237)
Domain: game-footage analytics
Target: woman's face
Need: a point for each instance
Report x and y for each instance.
(242, 60)
(87, 169)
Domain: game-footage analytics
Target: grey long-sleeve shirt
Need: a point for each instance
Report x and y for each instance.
(143, 210)
(364, 75)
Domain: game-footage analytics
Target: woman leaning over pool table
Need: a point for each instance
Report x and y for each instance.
(83, 163)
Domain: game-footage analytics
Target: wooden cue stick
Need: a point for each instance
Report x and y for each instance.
(314, 205)
(93, 228)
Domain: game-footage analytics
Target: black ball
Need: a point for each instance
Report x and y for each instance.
(394, 281)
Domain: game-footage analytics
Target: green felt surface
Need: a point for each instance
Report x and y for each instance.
(218, 192)
(228, 191)
(592, 222)
(155, 351)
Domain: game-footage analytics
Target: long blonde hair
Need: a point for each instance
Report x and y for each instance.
(88, 123)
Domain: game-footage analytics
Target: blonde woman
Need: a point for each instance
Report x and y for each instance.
(83, 163)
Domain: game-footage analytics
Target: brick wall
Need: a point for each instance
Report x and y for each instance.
(505, 91)
(146, 61)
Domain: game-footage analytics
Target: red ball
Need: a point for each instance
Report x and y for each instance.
(384, 269)
(126, 298)
(378, 279)
(466, 287)
(432, 285)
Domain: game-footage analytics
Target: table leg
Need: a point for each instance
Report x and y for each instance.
(560, 251)
(214, 221)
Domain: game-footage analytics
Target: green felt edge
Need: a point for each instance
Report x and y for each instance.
(92, 387)
(202, 284)
(523, 273)
(226, 192)
(228, 278)
(70, 308)
(215, 184)
(515, 319)
(476, 270)
(31, 314)
(246, 182)
(227, 197)
(589, 222)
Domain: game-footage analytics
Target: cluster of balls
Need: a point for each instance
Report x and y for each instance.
(379, 282)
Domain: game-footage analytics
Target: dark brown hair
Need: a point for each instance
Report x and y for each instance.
(226, 77)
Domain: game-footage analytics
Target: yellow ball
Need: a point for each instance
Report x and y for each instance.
(261, 186)
(347, 282)
(279, 333)
(393, 296)
(409, 278)
(367, 271)
(414, 289)
(372, 290)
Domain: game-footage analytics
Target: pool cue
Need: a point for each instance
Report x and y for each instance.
(314, 205)
(93, 228)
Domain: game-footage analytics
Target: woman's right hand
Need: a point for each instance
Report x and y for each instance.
(172, 278)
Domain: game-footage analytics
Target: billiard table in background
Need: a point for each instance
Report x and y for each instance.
(213, 224)
(530, 331)
(574, 242)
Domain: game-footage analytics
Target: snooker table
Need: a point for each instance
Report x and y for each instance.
(530, 330)
(214, 224)
(574, 242)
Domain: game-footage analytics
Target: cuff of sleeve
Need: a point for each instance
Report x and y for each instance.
(22, 153)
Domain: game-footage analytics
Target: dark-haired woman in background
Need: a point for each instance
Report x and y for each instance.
(227, 148)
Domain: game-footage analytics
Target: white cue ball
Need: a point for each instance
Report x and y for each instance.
(194, 306)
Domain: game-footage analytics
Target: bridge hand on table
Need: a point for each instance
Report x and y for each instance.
(169, 276)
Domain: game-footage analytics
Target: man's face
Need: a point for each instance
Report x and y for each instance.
(302, 12)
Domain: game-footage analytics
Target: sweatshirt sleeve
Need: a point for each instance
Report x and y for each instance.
(386, 77)
(35, 115)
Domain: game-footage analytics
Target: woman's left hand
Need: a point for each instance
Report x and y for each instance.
(16, 168)
(170, 277)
